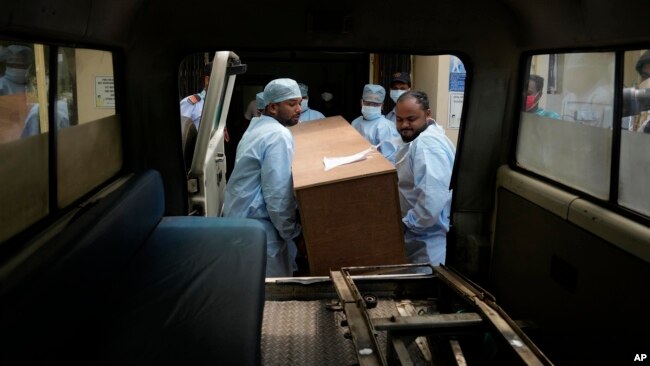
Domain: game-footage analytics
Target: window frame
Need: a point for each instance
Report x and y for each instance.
(611, 203)
(21, 239)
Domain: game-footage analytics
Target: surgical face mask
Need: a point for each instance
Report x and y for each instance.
(530, 102)
(645, 84)
(327, 96)
(395, 94)
(18, 76)
(369, 112)
(303, 105)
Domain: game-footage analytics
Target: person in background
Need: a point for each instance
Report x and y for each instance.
(32, 121)
(534, 94)
(17, 80)
(251, 110)
(424, 165)
(399, 84)
(261, 184)
(260, 104)
(19, 59)
(643, 68)
(192, 105)
(307, 113)
(255, 108)
(372, 125)
(327, 104)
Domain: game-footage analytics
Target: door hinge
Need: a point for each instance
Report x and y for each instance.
(193, 185)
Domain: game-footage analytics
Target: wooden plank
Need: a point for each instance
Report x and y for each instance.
(428, 322)
(41, 87)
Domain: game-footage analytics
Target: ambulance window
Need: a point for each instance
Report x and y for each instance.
(635, 133)
(88, 130)
(87, 138)
(565, 130)
(24, 147)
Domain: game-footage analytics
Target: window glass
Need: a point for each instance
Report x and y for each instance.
(635, 137)
(565, 131)
(88, 137)
(23, 136)
(88, 130)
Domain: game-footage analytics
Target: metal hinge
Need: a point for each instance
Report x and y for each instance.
(192, 185)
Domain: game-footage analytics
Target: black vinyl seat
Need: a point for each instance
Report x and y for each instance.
(129, 286)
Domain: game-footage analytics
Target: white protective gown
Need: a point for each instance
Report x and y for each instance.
(379, 131)
(424, 169)
(261, 187)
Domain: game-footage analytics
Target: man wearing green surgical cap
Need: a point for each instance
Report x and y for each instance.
(261, 185)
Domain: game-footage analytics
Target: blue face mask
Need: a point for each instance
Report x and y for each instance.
(303, 105)
(395, 94)
(369, 113)
(18, 76)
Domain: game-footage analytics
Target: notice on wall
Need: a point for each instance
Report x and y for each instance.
(457, 74)
(104, 92)
(455, 109)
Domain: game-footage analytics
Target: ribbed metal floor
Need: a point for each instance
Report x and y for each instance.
(306, 333)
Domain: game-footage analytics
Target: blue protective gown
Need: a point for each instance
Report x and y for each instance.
(391, 116)
(424, 171)
(261, 187)
(32, 121)
(309, 114)
(193, 110)
(9, 87)
(379, 131)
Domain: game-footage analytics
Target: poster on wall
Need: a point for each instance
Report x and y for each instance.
(457, 75)
(455, 109)
(104, 92)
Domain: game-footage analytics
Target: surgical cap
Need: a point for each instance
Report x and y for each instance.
(303, 89)
(279, 90)
(19, 55)
(259, 98)
(373, 93)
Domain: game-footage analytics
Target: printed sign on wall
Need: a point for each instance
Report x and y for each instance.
(455, 109)
(104, 92)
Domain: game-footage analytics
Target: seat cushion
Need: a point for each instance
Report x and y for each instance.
(193, 295)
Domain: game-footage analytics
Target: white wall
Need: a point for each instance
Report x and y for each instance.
(431, 75)
(89, 64)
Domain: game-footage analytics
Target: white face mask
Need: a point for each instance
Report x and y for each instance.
(327, 96)
(645, 84)
(369, 113)
(303, 105)
(18, 76)
(395, 94)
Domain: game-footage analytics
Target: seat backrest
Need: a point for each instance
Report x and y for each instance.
(40, 316)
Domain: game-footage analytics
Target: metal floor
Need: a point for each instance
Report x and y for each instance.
(306, 333)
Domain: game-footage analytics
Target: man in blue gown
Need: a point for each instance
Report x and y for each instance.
(261, 184)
